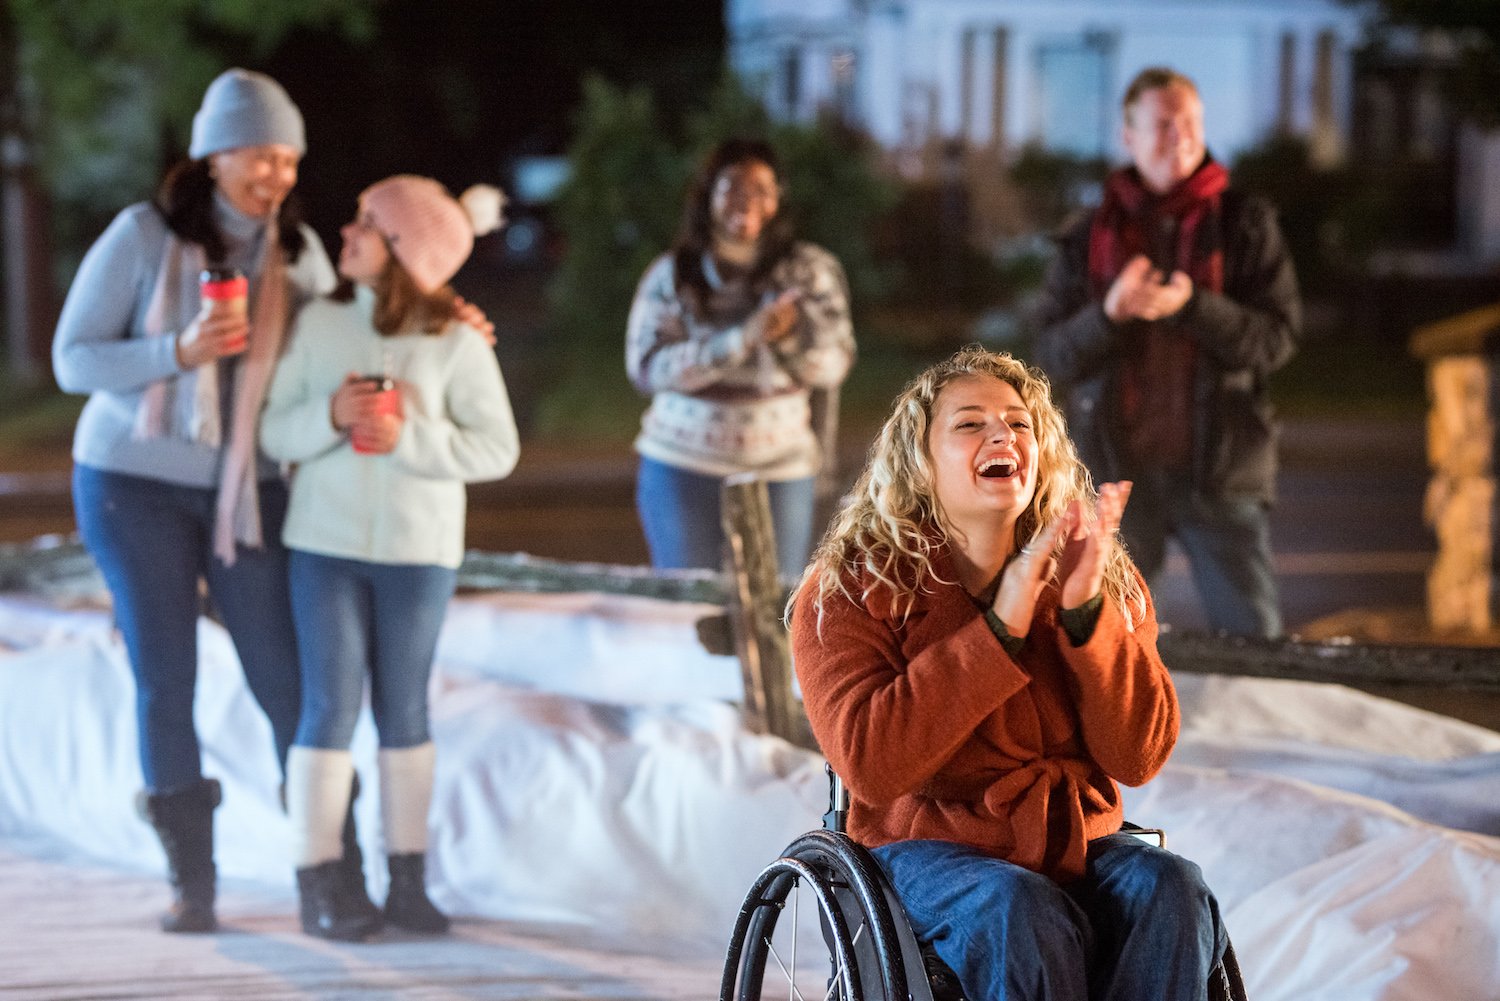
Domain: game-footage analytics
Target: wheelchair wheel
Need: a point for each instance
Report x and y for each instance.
(1225, 983)
(851, 953)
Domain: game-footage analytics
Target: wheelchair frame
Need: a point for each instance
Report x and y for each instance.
(873, 954)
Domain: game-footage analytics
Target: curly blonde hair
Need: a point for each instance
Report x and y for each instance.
(893, 524)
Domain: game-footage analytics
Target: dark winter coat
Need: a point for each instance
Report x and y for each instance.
(1243, 334)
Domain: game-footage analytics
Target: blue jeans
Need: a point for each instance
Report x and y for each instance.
(1228, 545)
(679, 513)
(1139, 925)
(355, 619)
(153, 541)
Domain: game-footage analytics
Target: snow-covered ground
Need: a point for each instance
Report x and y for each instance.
(592, 776)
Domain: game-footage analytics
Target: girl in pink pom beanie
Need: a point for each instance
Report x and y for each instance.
(387, 404)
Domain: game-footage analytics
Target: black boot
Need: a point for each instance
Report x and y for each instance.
(325, 910)
(184, 821)
(352, 867)
(407, 905)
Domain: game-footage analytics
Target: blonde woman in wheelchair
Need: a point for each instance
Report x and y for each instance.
(978, 659)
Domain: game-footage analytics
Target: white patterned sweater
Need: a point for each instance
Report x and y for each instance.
(722, 400)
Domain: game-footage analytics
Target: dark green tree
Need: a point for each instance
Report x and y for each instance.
(108, 88)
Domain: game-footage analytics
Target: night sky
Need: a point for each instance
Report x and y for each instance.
(453, 90)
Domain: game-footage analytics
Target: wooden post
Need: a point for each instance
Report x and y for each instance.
(1462, 354)
(755, 614)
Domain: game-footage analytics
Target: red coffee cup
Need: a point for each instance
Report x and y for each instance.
(387, 401)
(225, 290)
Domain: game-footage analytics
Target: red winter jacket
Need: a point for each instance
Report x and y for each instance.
(939, 733)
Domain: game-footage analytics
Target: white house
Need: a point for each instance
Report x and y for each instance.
(998, 74)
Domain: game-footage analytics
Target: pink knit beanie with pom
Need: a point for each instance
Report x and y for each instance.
(429, 231)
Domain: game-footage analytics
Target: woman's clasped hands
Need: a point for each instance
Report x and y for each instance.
(1087, 543)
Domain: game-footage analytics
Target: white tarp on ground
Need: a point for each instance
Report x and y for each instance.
(590, 772)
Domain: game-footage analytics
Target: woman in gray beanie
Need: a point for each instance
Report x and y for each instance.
(169, 484)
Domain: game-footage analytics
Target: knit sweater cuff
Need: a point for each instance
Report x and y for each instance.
(1012, 644)
(1079, 622)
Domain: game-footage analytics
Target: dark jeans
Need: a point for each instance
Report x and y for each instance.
(679, 512)
(1139, 926)
(153, 541)
(357, 619)
(1228, 545)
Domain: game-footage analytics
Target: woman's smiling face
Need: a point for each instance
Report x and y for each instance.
(983, 447)
(745, 197)
(256, 179)
(365, 253)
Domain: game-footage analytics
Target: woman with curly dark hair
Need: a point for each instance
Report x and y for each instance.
(730, 334)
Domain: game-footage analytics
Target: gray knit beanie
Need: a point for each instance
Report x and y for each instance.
(245, 108)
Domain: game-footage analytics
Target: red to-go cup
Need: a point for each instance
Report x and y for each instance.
(225, 291)
(387, 401)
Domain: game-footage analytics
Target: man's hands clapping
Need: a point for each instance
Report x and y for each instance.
(1142, 292)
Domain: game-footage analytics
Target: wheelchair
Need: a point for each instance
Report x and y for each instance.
(865, 949)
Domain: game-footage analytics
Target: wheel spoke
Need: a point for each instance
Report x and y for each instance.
(795, 994)
(843, 971)
(796, 903)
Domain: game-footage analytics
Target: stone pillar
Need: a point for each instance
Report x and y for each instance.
(1463, 384)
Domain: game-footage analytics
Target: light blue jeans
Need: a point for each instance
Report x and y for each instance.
(357, 619)
(679, 513)
(1228, 546)
(153, 541)
(1139, 925)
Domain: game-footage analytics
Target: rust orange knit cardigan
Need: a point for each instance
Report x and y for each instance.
(939, 733)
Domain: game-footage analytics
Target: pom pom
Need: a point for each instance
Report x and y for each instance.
(485, 205)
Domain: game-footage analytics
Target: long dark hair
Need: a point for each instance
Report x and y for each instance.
(695, 237)
(186, 201)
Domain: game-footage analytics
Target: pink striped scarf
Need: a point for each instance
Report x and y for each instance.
(237, 516)
(237, 509)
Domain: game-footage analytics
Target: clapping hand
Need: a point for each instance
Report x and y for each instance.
(1089, 542)
(1023, 578)
(1087, 547)
(778, 318)
(1142, 292)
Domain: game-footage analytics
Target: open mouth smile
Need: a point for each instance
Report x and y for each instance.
(999, 469)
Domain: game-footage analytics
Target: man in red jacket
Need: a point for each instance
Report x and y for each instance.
(1163, 314)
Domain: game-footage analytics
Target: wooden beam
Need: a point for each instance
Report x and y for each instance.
(1475, 669)
(52, 567)
(755, 620)
(536, 575)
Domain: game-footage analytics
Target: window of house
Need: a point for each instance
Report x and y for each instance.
(1073, 94)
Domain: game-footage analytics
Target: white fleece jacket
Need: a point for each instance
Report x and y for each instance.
(406, 506)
